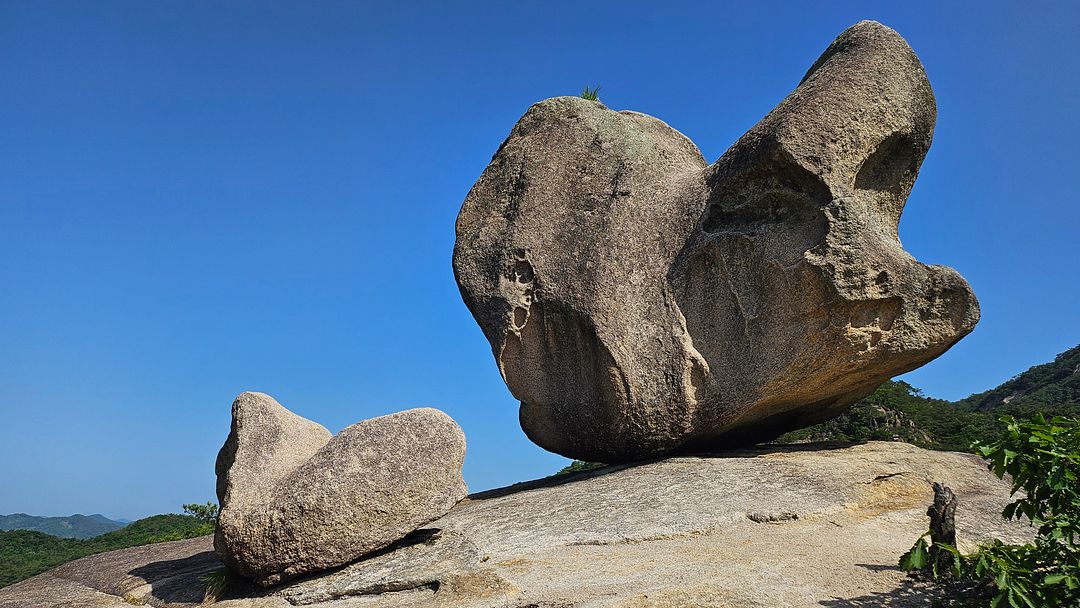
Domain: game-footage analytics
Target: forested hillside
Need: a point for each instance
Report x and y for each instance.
(24, 553)
(1053, 385)
(899, 411)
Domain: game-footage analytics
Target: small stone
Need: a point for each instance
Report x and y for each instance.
(296, 499)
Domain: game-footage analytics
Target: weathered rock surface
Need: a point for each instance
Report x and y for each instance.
(640, 301)
(295, 499)
(770, 527)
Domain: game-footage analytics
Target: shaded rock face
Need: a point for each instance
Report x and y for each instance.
(640, 301)
(296, 499)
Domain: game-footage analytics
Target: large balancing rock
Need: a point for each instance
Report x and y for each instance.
(295, 499)
(640, 301)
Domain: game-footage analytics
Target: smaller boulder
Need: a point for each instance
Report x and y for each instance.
(296, 499)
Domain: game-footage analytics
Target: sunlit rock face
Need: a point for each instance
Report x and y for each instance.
(641, 301)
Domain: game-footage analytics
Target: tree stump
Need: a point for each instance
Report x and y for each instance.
(942, 521)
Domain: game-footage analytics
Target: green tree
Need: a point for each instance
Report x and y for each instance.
(207, 513)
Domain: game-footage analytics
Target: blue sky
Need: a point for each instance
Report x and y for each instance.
(204, 198)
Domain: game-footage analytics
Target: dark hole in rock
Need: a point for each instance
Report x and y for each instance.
(520, 316)
(780, 191)
(891, 166)
(523, 272)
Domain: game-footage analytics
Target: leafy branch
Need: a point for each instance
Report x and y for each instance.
(1043, 460)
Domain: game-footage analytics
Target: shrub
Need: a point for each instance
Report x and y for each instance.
(578, 466)
(207, 514)
(591, 94)
(1043, 459)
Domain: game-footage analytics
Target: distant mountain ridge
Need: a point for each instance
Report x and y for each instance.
(72, 526)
